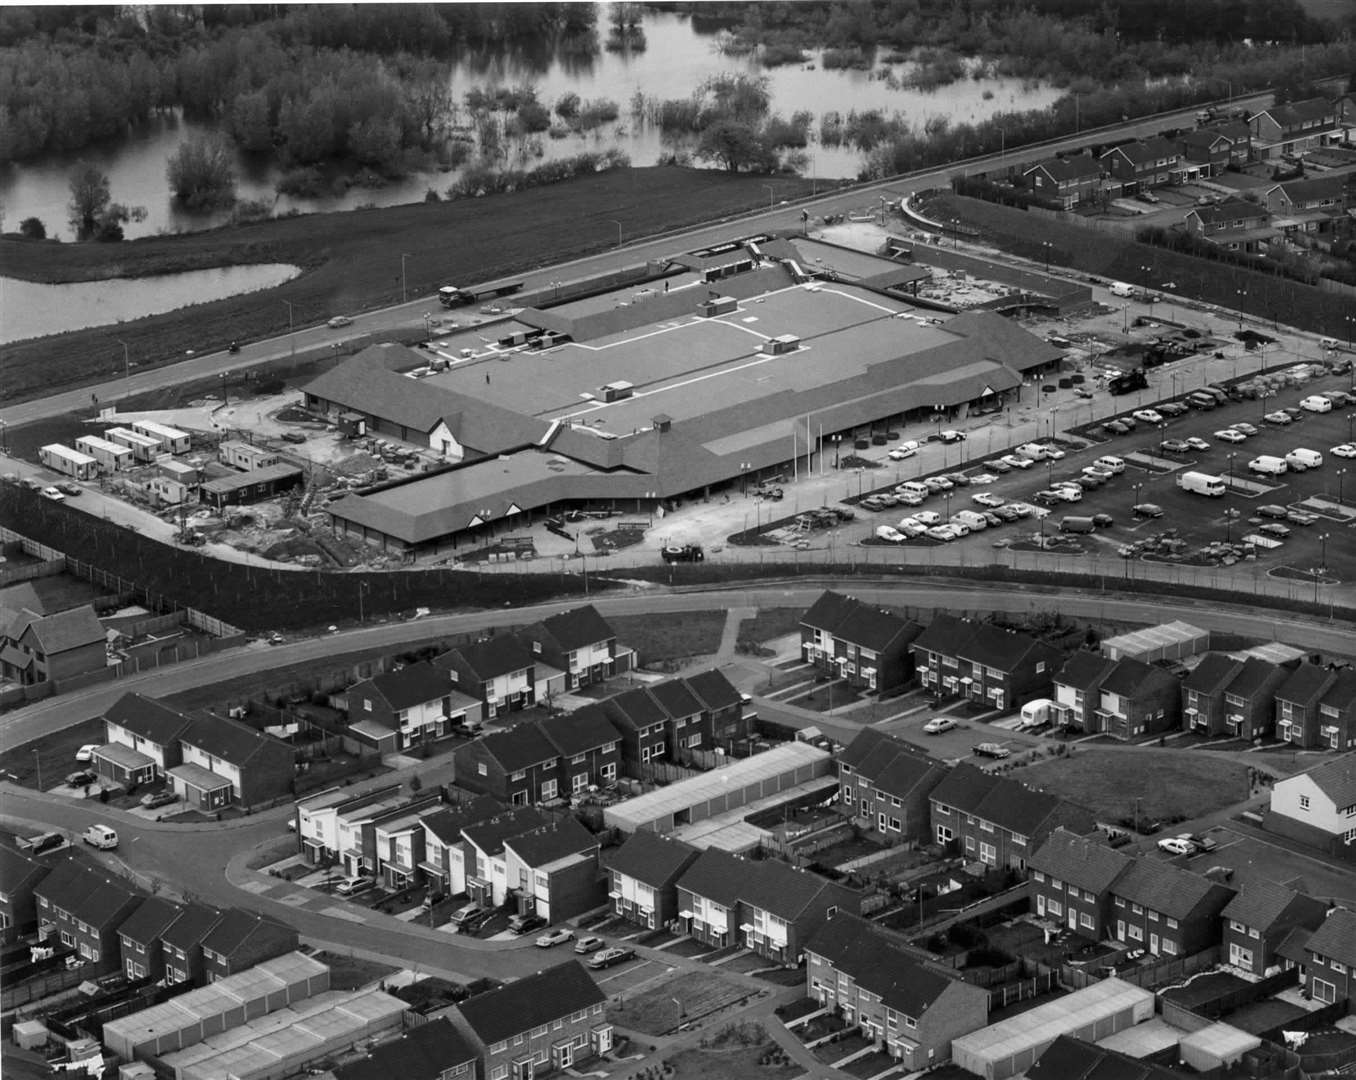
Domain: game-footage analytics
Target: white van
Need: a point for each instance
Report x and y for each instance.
(1300, 459)
(1267, 465)
(101, 837)
(1111, 464)
(974, 521)
(1316, 403)
(1035, 451)
(1120, 288)
(1201, 483)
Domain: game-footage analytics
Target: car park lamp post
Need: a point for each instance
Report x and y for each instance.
(771, 195)
(37, 760)
(835, 439)
(1137, 488)
(1162, 437)
(404, 293)
(126, 367)
(362, 591)
(1230, 459)
(1046, 245)
(1242, 296)
(744, 468)
(612, 221)
(292, 341)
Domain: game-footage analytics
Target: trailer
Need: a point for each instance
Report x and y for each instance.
(454, 296)
(111, 456)
(173, 440)
(143, 447)
(69, 462)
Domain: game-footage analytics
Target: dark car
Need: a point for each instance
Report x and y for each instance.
(1172, 408)
(1006, 513)
(1271, 510)
(81, 778)
(1279, 532)
(998, 466)
(158, 798)
(605, 958)
(1117, 427)
(525, 924)
(293, 437)
(1295, 413)
(1148, 510)
(1103, 521)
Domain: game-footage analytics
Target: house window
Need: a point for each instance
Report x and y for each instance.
(548, 789)
(1172, 924)
(367, 704)
(1169, 947)
(482, 769)
(1304, 802)
(1085, 920)
(609, 771)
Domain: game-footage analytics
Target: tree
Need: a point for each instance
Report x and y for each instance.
(32, 229)
(249, 122)
(200, 174)
(736, 146)
(90, 197)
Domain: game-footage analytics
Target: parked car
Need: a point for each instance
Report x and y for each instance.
(53, 494)
(1274, 530)
(1017, 461)
(889, 534)
(928, 517)
(1148, 416)
(1271, 510)
(910, 498)
(1197, 443)
(1177, 845)
(1103, 521)
(1300, 517)
(605, 958)
(68, 488)
(525, 924)
(1280, 418)
(987, 498)
(1111, 464)
(958, 479)
(1245, 428)
(590, 943)
(1173, 408)
(1174, 446)
(937, 484)
(154, 799)
(1007, 513)
(552, 938)
(1118, 427)
(80, 778)
(998, 465)
(85, 754)
(944, 533)
(1147, 510)
(1229, 435)
(469, 916)
(352, 886)
(991, 749)
(1346, 450)
(340, 320)
(939, 724)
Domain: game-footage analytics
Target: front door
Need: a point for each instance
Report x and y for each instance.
(1073, 919)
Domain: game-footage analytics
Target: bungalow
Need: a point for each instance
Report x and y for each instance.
(865, 645)
(181, 944)
(1297, 704)
(1328, 958)
(1070, 181)
(142, 740)
(765, 905)
(1138, 699)
(645, 872)
(1257, 920)
(139, 936)
(1071, 879)
(433, 1051)
(1078, 690)
(1168, 910)
(1250, 699)
(589, 747)
(997, 820)
(225, 761)
(49, 648)
(499, 672)
(19, 877)
(519, 766)
(1294, 129)
(84, 908)
(487, 880)
(1144, 164)
(553, 870)
(1318, 807)
(910, 1010)
(1337, 713)
(415, 703)
(446, 849)
(240, 939)
(885, 784)
(579, 642)
(536, 1025)
(643, 725)
(318, 817)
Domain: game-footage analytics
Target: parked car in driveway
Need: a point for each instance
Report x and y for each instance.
(352, 886)
(554, 937)
(991, 749)
(939, 724)
(80, 778)
(590, 943)
(525, 924)
(155, 799)
(85, 754)
(606, 958)
(1177, 845)
(469, 916)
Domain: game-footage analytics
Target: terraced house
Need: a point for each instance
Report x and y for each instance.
(644, 877)
(1077, 690)
(906, 1007)
(1298, 700)
(1071, 879)
(1259, 918)
(580, 643)
(84, 908)
(1167, 910)
(1137, 699)
(499, 672)
(445, 848)
(518, 766)
(864, 645)
(1327, 957)
(884, 785)
(1228, 695)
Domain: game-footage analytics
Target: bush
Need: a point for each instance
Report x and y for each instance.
(200, 174)
(32, 228)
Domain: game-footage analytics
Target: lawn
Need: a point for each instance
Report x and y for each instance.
(1167, 783)
(53, 754)
(770, 623)
(352, 261)
(671, 637)
(352, 972)
(656, 1011)
(734, 1053)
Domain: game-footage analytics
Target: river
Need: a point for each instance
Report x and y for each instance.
(676, 61)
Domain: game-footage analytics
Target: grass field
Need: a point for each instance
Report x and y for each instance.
(352, 261)
(656, 1010)
(670, 637)
(53, 754)
(770, 623)
(1167, 783)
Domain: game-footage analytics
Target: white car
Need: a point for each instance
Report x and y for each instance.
(1197, 443)
(889, 534)
(1148, 416)
(928, 517)
(1231, 436)
(950, 436)
(1177, 845)
(1278, 417)
(938, 724)
(554, 937)
(1346, 450)
(1054, 453)
(957, 527)
(912, 528)
(1017, 461)
(987, 498)
(943, 532)
(938, 484)
(980, 478)
(899, 454)
(86, 753)
(340, 320)
(910, 498)
(53, 494)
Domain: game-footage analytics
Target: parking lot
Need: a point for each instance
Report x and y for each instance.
(1305, 516)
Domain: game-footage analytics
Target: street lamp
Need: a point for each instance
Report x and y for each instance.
(771, 195)
(1046, 245)
(1137, 488)
(37, 760)
(611, 221)
(1230, 459)
(404, 295)
(1162, 437)
(1340, 473)
(1242, 298)
(955, 225)
(126, 367)
(835, 439)
(1322, 566)
(744, 468)
(290, 338)
(362, 591)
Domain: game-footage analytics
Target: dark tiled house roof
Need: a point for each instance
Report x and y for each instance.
(769, 884)
(878, 964)
(635, 709)
(964, 788)
(148, 718)
(446, 824)
(531, 1002)
(563, 837)
(1337, 780)
(150, 920)
(713, 688)
(578, 627)
(1164, 888)
(1260, 903)
(422, 1053)
(233, 741)
(415, 684)
(1307, 683)
(651, 858)
(1336, 938)
(585, 729)
(502, 654)
(1079, 860)
(1084, 670)
(945, 634)
(1212, 674)
(520, 747)
(675, 698)
(491, 834)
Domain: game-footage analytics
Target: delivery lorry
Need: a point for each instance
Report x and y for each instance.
(454, 296)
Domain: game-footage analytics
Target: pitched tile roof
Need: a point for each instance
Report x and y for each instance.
(675, 698)
(1337, 780)
(1260, 904)
(422, 1053)
(1018, 808)
(1079, 860)
(490, 834)
(414, 684)
(1255, 675)
(634, 709)
(769, 884)
(531, 1002)
(18, 870)
(1084, 670)
(1302, 112)
(191, 926)
(446, 824)
(578, 627)
(1141, 150)
(997, 647)
(880, 965)
(896, 767)
(502, 654)
(964, 788)
(562, 837)
(86, 894)
(1165, 888)
(1131, 677)
(67, 630)
(829, 611)
(1306, 684)
(1073, 167)
(1212, 674)
(233, 741)
(1342, 694)
(945, 634)
(713, 689)
(585, 729)
(1336, 938)
(148, 718)
(651, 858)
(150, 920)
(1318, 187)
(520, 747)
(1068, 1058)
(237, 926)
(861, 624)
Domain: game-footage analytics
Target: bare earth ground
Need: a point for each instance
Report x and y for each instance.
(657, 1010)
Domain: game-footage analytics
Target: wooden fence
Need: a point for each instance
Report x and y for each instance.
(1146, 975)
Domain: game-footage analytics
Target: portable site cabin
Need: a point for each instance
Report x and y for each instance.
(70, 462)
(143, 447)
(246, 456)
(172, 439)
(111, 456)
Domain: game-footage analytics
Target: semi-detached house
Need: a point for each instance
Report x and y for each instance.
(589, 749)
(1318, 807)
(240, 939)
(84, 907)
(445, 848)
(1070, 181)
(884, 785)
(519, 766)
(19, 877)
(141, 740)
(1071, 878)
(865, 645)
(580, 643)
(1078, 688)
(987, 664)
(181, 944)
(499, 672)
(644, 877)
(1297, 704)
(1258, 919)
(1231, 695)
(905, 1007)
(553, 871)
(1137, 699)
(139, 945)
(1326, 958)
(415, 704)
(225, 761)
